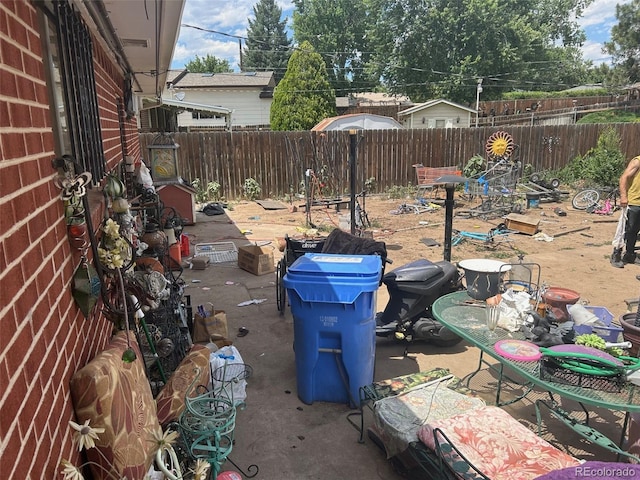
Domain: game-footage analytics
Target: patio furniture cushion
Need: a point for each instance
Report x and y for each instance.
(497, 444)
(193, 371)
(116, 396)
(398, 418)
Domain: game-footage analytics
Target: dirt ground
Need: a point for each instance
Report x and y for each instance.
(289, 439)
(577, 258)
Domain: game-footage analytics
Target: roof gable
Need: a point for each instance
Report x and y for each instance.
(432, 103)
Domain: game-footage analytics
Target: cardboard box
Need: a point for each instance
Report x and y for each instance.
(199, 262)
(522, 223)
(255, 259)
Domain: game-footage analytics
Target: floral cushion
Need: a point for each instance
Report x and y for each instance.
(116, 396)
(497, 444)
(398, 418)
(193, 371)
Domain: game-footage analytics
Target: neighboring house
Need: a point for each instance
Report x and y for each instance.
(357, 121)
(247, 95)
(438, 113)
(69, 71)
(385, 104)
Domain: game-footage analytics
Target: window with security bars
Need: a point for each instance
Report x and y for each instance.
(72, 86)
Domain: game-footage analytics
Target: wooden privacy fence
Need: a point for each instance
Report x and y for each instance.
(278, 160)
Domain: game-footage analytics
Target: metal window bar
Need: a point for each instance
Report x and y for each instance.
(77, 72)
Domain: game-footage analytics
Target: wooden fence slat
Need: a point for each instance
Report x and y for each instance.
(278, 160)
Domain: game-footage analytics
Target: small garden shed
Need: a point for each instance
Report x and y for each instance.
(437, 113)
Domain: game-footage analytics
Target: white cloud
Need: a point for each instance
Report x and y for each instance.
(227, 18)
(232, 19)
(597, 20)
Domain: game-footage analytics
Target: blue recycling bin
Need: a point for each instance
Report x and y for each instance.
(333, 301)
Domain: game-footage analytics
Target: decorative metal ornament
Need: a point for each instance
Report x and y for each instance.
(86, 287)
(74, 186)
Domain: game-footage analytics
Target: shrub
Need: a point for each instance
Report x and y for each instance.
(251, 189)
(601, 165)
(205, 194)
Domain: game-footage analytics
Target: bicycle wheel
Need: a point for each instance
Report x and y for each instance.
(281, 292)
(585, 199)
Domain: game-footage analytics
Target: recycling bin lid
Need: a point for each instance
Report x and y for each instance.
(336, 265)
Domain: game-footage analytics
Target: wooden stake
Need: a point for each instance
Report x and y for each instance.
(570, 231)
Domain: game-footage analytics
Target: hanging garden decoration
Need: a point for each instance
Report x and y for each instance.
(499, 145)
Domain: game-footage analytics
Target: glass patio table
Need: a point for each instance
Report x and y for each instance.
(466, 317)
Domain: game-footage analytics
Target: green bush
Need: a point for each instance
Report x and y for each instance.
(601, 165)
(251, 189)
(206, 194)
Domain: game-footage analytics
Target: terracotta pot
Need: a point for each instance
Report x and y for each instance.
(559, 298)
(630, 332)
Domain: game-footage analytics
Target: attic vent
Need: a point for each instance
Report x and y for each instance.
(135, 42)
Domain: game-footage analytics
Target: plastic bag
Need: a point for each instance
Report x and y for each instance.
(144, 177)
(513, 309)
(228, 374)
(618, 238)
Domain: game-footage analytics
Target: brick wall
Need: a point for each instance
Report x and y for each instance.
(44, 338)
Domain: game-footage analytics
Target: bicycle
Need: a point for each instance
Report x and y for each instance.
(361, 216)
(589, 199)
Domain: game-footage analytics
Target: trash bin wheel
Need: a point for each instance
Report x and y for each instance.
(281, 292)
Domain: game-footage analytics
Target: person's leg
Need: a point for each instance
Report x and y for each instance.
(631, 233)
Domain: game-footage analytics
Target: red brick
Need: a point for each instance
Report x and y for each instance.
(42, 94)
(8, 86)
(33, 67)
(39, 119)
(5, 121)
(35, 45)
(26, 88)
(11, 55)
(33, 140)
(30, 296)
(10, 408)
(3, 21)
(7, 215)
(12, 282)
(23, 339)
(24, 205)
(19, 113)
(42, 281)
(26, 456)
(13, 146)
(9, 179)
(18, 33)
(11, 452)
(17, 243)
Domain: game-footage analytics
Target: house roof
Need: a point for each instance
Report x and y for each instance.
(357, 121)
(217, 80)
(142, 38)
(432, 103)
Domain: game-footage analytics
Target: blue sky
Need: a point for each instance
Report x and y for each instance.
(231, 18)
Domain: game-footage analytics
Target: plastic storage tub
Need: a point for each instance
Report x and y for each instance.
(333, 301)
(609, 333)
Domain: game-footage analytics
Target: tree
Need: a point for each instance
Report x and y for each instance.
(304, 96)
(438, 48)
(625, 40)
(337, 30)
(208, 64)
(268, 47)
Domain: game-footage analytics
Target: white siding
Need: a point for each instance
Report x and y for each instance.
(248, 109)
(447, 115)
